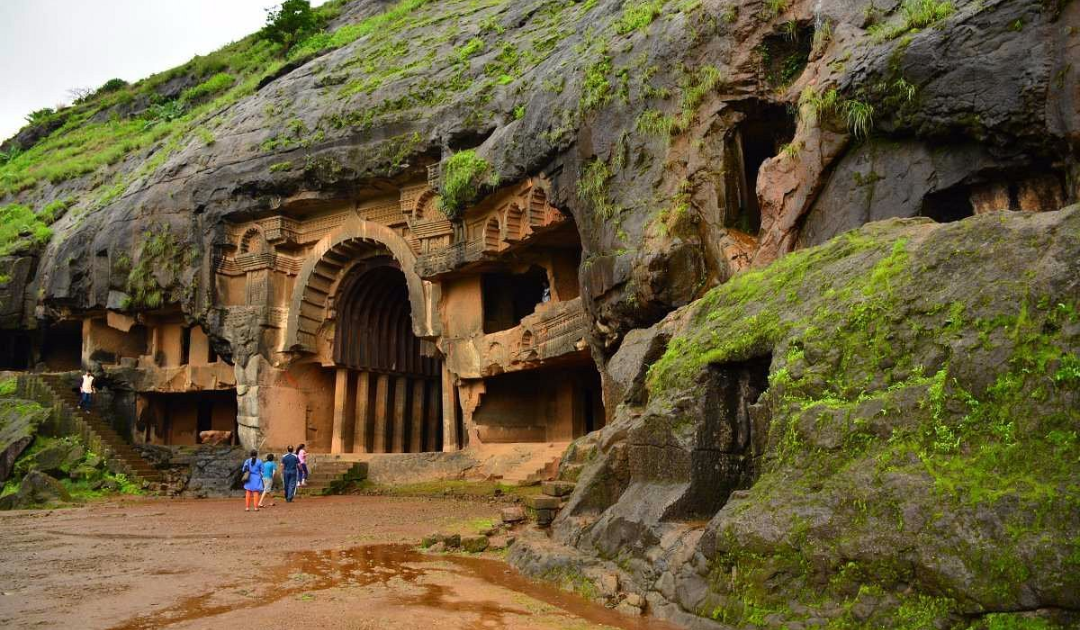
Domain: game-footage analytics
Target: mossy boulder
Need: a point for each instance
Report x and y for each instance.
(878, 432)
(19, 420)
(36, 489)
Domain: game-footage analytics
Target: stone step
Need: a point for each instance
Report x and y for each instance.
(124, 456)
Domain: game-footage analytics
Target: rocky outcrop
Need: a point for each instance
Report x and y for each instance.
(204, 471)
(36, 489)
(19, 421)
(645, 120)
(878, 431)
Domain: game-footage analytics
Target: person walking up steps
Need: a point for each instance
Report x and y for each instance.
(86, 391)
(290, 466)
(253, 484)
(301, 454)
(268, 470)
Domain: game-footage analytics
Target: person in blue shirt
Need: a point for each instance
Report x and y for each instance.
(253, 485)
(290, 466)
(269, 467)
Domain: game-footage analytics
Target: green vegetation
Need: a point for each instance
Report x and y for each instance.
(857, 115)
(465, 174)
(638, 15)
(292, 21)
(914, 14)
(8, 386)
(773, 8)
(596, 88)
(84, 478)
(159, 257)
(214, 85)
(593, 189)
(694, 86)
(21, 227)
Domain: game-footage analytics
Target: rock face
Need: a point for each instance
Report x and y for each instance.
(19, 420)
(865, 432)
(641, 118)
(36, 489)
(894, 409)
(206, 471)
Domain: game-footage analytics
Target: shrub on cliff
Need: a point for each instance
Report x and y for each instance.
(289, 23)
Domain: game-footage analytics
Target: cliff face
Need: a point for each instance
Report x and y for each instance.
(843, 437)
(691, 141)
(649, 120)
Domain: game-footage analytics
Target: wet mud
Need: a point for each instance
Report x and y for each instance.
(309, 572)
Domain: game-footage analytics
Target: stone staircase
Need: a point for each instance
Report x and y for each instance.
(542, 465)
(330, 475)
(58, 391)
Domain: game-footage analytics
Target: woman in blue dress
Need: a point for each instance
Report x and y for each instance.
(253, 486)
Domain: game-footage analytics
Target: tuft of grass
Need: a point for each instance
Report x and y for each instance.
(637, 16)
(914, 14)
(858, 115)
(465, 174)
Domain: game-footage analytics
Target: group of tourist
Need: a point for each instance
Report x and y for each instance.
(259, 474)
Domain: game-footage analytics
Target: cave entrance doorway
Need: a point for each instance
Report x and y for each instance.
(388, 387)
(178, 419)
(61, 346)
(765, 128)
(559, 403)
(952, 204)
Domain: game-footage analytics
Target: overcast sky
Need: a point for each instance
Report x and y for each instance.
(50, 46)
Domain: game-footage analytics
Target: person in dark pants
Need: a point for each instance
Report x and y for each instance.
(86, 391)
(290, 467)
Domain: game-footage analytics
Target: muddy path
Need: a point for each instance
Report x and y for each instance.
(334, 562)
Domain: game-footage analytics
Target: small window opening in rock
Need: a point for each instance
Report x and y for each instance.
(1014, 196)
(948, 205)
(507, 298)
(211, 354)
(784, 55)
(185, 345)
(764, 130)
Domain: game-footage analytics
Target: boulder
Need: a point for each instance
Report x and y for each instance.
(511, 515)
(58, 457)
(474, 544)
(19, 420)
(36, 489)
(215, 438)
(542, 502)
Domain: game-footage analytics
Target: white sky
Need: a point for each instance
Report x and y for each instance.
(50, 46)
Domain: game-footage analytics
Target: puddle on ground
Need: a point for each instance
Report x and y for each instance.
(382, 565)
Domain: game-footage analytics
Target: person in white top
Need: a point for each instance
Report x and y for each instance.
(86, 390)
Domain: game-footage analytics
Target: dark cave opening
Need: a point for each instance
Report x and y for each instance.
(764, 130)
(785, 54)
(508, 297)
(948, 205)
(15, 350)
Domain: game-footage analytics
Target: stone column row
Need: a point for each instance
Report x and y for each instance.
(400, 413)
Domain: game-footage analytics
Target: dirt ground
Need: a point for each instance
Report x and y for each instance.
(325, 562)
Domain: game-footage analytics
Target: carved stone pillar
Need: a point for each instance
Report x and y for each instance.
(382, 399)
(343, 407)
(449, 407)
(416, 432)
(401, 388)
(362, 416)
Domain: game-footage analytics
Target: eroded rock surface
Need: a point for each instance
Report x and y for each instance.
(912, 454)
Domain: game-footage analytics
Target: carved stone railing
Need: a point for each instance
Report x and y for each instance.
(559, 330)
(448, 259)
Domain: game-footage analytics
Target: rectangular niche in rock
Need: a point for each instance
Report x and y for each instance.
(730, 437)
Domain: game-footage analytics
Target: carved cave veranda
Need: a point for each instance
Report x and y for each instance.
(373, 325)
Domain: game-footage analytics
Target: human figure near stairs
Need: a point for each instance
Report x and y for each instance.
(290, 467)
(86, 391)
